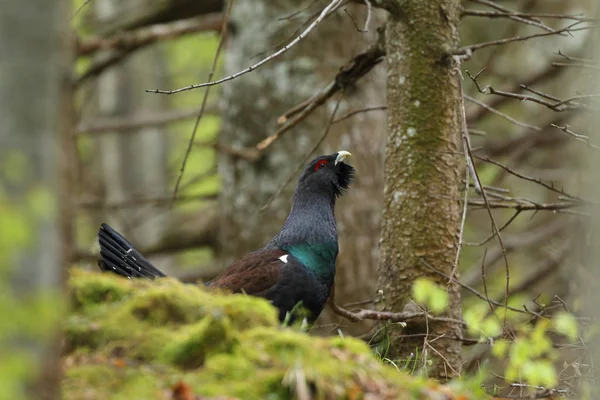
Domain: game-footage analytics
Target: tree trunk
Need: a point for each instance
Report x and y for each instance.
(134, 165)
(251, 105)
(34, 63)
(421, 219)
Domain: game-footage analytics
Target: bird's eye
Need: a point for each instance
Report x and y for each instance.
(321, 164)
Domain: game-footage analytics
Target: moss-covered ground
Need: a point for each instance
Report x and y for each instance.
(136, 339)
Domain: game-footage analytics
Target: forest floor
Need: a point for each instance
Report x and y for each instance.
(137, 339)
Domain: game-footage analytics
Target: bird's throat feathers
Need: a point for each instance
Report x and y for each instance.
(310, 234)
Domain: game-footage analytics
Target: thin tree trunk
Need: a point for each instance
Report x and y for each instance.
(422, 175)
(251, 106)
(34, 63)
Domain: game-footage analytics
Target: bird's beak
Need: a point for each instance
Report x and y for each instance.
(341, 156)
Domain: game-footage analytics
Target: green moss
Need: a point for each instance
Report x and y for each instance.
(136, 339)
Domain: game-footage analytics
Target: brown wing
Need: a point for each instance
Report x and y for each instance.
(252, 274)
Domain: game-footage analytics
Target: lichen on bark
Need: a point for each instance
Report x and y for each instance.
(423, 166)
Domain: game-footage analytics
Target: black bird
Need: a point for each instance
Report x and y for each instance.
(296, 267)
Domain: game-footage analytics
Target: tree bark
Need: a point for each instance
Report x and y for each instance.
(421, 218)
(251, 105)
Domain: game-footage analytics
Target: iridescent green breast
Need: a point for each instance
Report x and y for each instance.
(318, 257)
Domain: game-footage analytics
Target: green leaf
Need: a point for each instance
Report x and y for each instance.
(428, 293)
(421, 289)
(491, 327)
(540, 373)
(500, 348)
(566, 324)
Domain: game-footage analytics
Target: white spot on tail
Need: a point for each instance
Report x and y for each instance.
(284, 258)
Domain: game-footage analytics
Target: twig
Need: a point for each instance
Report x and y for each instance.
(369, 10)
(527, 18)
(530, 206)
(495, 102)
(533, 16)
(556, 104)
(489, 210)
(362, 110)
(577, 65)
(301, 10)
(319, 100)
(493, 235)
(510, 15)
(356, 68)
(81, 7)
(384, 315)
(330, 6)
(485, 289)
(99, 126)
(582, 138)
(129, 42)
(468, 166)
(474, 47)
(306, 157)
(133, 40)
(367, 21)
(472, 290)
(501, 114)
(548, 186)
(204, 101)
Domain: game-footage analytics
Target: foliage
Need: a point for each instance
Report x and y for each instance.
(427, 292)
(137, 339)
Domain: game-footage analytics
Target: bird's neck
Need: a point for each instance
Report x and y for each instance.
(310, 233)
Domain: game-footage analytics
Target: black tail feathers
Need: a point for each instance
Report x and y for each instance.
(119, 256)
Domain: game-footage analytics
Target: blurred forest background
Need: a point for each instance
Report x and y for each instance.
(121, 148)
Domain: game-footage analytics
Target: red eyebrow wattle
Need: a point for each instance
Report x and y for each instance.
(320, 164)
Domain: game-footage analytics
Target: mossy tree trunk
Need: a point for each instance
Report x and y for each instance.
(421, 218)
(250, 107)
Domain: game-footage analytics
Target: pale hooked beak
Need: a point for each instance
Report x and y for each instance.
(342, 154)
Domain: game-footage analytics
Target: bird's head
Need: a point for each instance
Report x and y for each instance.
(328, 174)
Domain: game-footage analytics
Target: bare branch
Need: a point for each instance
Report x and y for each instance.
(472, 48)
(472, 290)
(530, 206)
(404, 316)
(527, 18)
(133, 40)
(501, 114)
(510, 15)
(351, 72)
(582, 138)
(306, 157)
(127, 43)
(331, 6)
(204, 100)
(487, 205)
(99, 126)
(495, 102)
(362, 110)
(555, 104)
(464, 132)
(548, 186)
